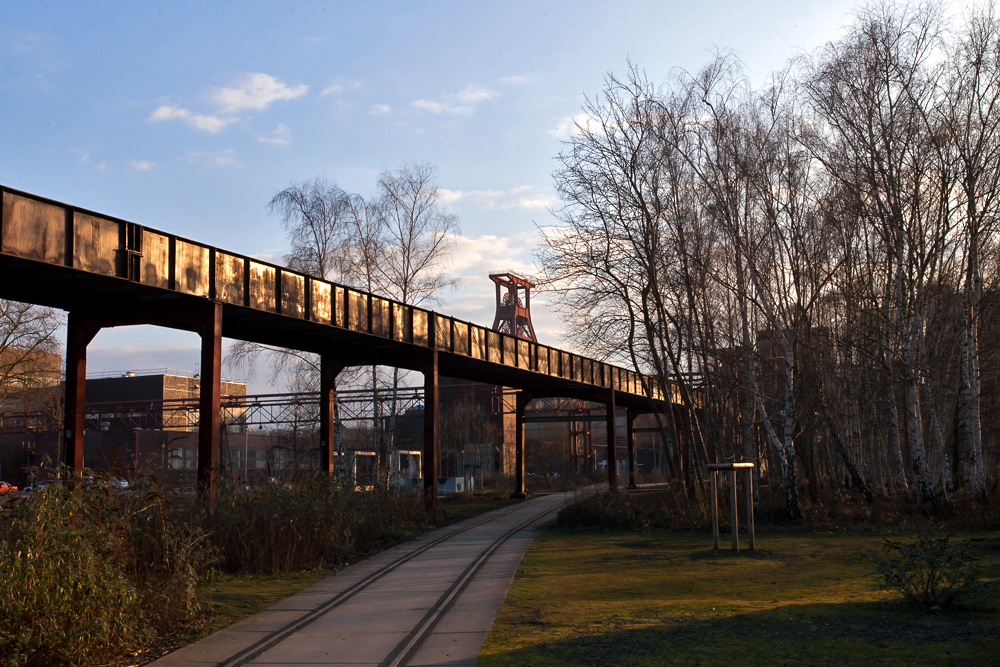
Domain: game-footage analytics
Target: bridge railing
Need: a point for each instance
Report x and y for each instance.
(42, 230)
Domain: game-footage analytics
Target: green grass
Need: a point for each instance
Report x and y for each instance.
(659, 598)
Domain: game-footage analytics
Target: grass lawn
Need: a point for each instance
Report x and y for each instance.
(661, 598)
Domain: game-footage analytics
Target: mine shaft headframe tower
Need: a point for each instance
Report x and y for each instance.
(513, 305)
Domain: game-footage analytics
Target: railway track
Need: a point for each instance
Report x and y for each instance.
(403, 607)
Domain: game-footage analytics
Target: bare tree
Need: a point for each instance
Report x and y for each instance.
(28, 346)
(416, 240)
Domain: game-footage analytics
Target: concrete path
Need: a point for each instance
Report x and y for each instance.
(430, 601)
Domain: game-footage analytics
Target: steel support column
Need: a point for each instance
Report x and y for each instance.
(430, 452)
(209, 402)
(330, 368)
(611, 458)
(80, 330)
(521, 400)
(631, 414)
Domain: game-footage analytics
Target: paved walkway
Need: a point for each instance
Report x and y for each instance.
(430, 601)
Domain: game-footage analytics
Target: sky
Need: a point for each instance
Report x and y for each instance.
(189, 116)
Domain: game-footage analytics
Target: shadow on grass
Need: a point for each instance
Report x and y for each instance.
(809, 634)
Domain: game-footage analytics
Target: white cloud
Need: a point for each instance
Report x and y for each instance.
(102, 167)
(473, 94)
(519, 197)
(203, 122)
(518, 80)
(221, 159)
(254, 92)
(461, 103)
(279, 137)
(380, 109)
(441, 107)
(478, 256)
(140, 165)
(567, 127)
(339, 85)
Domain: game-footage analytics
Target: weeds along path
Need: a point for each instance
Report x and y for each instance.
(429, 601)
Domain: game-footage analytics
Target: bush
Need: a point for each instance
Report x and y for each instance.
(87, 572)
(630, 511)
(313, 523)
(932, 571)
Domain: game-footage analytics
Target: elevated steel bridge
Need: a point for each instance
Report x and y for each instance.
(106, 272)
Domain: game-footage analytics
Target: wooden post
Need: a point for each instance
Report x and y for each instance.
(209, 403)
(732, 468)
(715, 508)
(732, 510)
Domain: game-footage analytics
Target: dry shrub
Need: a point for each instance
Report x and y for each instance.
(88, 572)
(313, 523)
(932, 572)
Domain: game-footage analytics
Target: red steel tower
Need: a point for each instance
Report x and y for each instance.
(513, 305)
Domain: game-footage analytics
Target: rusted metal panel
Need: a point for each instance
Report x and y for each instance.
(293, 294)
(523, 354)
(460, 332)
(154, 265)
(587, 371)
(229, 271)
(402, 322)
(565, 365)
(420, 327)
(33, 229)
(320, 302)
(578, 369)
(192, 269)
(96, 244)
(477, 342)
(442, 333)
(494, 353)
(381, 317)
(509, 350)
(263, 287)
(542, 361)
(357, 311)
(340, 306)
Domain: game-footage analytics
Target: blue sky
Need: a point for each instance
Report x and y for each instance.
(189, 116)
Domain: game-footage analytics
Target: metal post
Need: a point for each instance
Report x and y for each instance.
(329, 369)
(733, 513)
(611, 458)
(209, 403)
(715, 508)
(80, 330)
(630, 441)
(749, 491)
(520, 402)
(430, 459)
